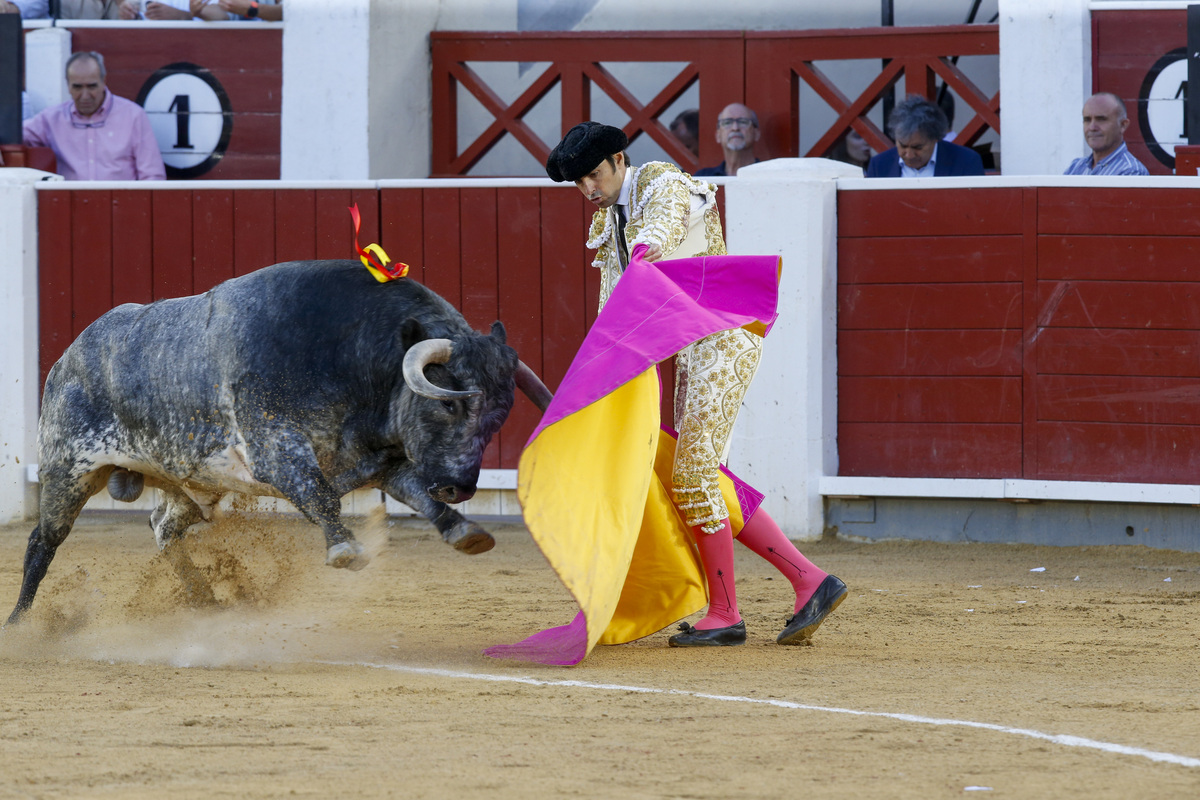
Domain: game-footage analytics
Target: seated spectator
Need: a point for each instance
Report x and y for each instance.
(918, 127)
(267, 10)
(737, 132)
(28, 9)
(851, 148)
(89, 9)
(160, 10)
(96, 136)
(686, 128)
(1104, 124)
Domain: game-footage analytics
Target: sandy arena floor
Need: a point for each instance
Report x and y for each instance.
(950, 670)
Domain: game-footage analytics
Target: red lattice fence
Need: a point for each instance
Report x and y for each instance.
(762, 69)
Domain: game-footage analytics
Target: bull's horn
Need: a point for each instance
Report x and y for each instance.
(529, 383)
(420, 355)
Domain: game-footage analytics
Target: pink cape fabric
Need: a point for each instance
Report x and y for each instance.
(656, 310)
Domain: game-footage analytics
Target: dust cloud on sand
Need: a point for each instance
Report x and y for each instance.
(1087, 643)
(264, 572)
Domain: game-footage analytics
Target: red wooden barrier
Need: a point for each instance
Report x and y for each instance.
(19, 155)
(929, 323)
(1131, 47)
(513, 254)
(1040, 333)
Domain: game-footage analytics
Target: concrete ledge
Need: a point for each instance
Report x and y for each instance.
(1059, 523)
(1021, 181)
(1010, 489)
(485, 503)
(838, 486)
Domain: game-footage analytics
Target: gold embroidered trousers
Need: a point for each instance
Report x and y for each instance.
(712, 376)
(679, 214)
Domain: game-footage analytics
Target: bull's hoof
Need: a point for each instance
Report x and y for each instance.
(470, 539)
(347, 555)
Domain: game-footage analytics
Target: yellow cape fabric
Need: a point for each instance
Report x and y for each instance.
(595, 492)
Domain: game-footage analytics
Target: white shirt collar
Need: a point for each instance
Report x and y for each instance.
(924, 172)
(626, 189)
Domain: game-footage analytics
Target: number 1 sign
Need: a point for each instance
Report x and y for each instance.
(191, 116)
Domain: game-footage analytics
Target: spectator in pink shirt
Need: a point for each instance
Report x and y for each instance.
(97, 136)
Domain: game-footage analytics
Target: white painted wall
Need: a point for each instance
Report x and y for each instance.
(46, 51)
(325, 128)
(19, 389)
(770, 15)
(1045, 77)
(786, 433)
(400, 74)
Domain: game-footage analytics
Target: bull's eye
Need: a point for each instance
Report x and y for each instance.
(448, 405)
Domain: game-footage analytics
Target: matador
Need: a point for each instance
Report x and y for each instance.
(675, 216)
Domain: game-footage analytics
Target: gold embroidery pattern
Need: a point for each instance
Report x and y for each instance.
(712, 230)
(720, 368)
(660, 213)
(711, 375)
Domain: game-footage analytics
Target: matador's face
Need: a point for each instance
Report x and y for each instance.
(602, 186)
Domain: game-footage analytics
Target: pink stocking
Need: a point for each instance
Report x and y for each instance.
(716, 556)
(766, 540)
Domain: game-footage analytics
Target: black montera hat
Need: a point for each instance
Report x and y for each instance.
(582, 149)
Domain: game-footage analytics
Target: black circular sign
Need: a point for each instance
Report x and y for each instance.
(190, 113)
(1162, 117)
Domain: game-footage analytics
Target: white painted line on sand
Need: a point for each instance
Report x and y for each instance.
(1061, 739)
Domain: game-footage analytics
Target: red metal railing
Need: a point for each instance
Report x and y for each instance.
(763, 69)
(918, 56)
(712, 60)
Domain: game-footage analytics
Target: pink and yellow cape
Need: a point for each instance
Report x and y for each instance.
(594, 478)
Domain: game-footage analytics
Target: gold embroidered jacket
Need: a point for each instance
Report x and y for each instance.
(679, 214)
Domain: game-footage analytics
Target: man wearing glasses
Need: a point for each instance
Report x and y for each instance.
(96, 136)
(737, 132)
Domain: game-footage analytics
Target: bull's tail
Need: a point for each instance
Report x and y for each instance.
(125, 485)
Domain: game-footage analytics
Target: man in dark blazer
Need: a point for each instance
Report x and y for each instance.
(918, 126)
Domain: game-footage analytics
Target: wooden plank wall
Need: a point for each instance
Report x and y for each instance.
(1127, 44)
(1041, 333)
(1038, 333)
(513, 254)
(929, 333)
(1118, 379)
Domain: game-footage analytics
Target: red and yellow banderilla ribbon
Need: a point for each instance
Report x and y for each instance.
(373, 257)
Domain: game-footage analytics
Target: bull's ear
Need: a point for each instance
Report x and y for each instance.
(498, 332)
(411, 332)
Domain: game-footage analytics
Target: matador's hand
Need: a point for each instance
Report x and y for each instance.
(653, 253)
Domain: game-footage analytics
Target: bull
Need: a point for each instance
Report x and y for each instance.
(305, 380)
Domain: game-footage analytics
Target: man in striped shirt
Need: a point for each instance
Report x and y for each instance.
(1104, 124)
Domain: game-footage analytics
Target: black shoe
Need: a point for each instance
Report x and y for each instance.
(717, 637)
(828, 596)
